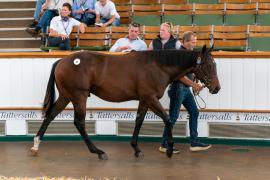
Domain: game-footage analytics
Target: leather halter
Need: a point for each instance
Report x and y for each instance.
(204, 78)
(199, 73)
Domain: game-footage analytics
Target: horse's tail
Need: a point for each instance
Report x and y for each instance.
(50, 92)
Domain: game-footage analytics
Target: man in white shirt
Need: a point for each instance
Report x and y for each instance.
(130, 42)
(51, 8)
(61, 27)
(106, 13)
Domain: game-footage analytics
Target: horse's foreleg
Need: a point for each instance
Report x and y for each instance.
(142, 109)
(79, 122)
(58, 106)
(156, 107)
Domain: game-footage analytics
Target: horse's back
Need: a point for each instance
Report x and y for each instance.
(111, 77)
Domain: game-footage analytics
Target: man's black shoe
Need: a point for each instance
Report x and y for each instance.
(33, 32)
(33, 24)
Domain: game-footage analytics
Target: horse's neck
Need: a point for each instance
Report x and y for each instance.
(187, 61)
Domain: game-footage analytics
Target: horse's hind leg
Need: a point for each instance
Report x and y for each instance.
(142, 109)
(57, 107)
(79, 122)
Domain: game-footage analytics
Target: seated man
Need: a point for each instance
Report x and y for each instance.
(61, 27)
(38, 11)
(165, 39)
(130, 42)
(52, 7)
(106, 13)
(84, 11)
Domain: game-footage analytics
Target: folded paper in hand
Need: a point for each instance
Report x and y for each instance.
(128, 50)
(99, 24)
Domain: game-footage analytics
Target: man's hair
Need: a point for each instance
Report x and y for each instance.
(134, 24)
(67, 5)
(187, 36)
(169, 25)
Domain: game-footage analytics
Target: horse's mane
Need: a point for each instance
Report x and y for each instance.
(167, 57)
(171, 57)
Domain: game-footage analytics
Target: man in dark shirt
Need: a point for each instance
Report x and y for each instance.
(180, 93)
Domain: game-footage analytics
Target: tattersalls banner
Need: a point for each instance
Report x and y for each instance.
(229, 117)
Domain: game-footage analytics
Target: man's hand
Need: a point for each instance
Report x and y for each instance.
(197, 87)
(63, 36)
(82, 27)
(44, 7)
(122, 48)
(99, 24)
(80, 11)
(90, 11)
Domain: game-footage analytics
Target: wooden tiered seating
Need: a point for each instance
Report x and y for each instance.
(240, 14)
(125, 13)
(260, 1)
(146, 14)
(226, 38)
(145, 2)
(208, 14)
(263, 14)
(259, 38)
(203, 1)
(232, 38)
(234, 1)
(174, 2)
(94, 38)
(122, 2)
(177, 14)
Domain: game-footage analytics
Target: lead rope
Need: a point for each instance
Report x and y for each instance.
(197, 95)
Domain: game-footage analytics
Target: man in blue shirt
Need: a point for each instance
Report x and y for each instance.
(84, 11)
(131, 41)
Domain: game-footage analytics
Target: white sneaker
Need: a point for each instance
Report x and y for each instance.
(198, 146)
(164, 150)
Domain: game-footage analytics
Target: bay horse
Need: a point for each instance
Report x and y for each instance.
(141, 76)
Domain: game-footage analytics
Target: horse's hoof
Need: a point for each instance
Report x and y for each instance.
(169, 153)
(139, 155)
(103, 156)
(34, 152)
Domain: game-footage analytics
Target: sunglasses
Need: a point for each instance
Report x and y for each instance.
(135, 24)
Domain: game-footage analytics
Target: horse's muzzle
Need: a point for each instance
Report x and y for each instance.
(215, 86)
(216, 90)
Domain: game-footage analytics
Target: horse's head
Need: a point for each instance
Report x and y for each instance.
(206, 70)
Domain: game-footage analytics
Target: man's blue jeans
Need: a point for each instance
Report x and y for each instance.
(116, 21)
(180, 94)
(38, 9)
(58, 42)
(45, 19)
(87, 19)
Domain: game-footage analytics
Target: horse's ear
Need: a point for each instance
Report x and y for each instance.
(203, 49)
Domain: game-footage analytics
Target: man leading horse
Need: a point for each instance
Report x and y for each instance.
(99, 74)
